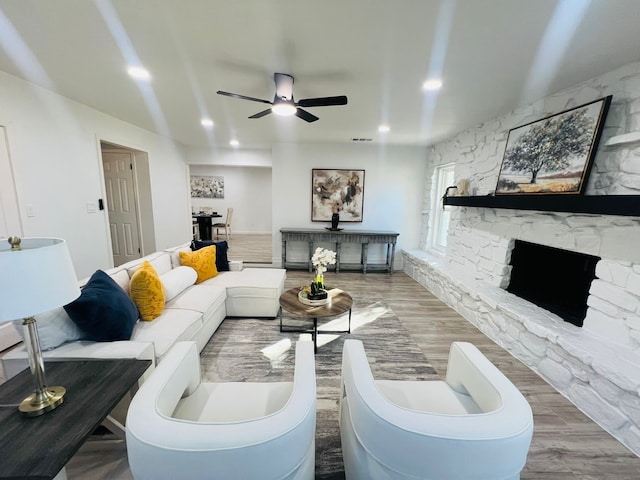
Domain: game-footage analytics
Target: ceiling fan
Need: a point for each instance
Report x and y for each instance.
(283, 102)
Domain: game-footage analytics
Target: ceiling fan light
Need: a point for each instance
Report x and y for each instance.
(139, 73)
(432, 84)
(284, 109)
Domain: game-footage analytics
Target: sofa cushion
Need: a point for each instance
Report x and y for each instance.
(54, 328)
(252, 282)
(133, 265)
(200, 298)
(222, 262)
(104, 311)
(174, 253)
(177, 281)
(174, 325)
(121, 277)
(203, 261)
(147, 292)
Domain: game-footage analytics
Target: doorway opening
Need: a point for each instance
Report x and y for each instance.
(127, 189)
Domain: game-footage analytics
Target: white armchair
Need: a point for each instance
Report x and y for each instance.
(474, 425)
(178, 427)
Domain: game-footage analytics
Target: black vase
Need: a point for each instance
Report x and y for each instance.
(335, 218)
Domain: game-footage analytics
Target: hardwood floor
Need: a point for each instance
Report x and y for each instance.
(566, 443)
(251, 249)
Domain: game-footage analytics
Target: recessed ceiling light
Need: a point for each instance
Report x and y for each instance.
(234, 143)
(433, 84)
(139, 73)
(206, 122)
(384, 128)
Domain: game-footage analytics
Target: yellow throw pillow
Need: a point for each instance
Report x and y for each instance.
(203, 261)
(147, 292)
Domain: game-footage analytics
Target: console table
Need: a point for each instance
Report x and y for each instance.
(362, 237)
(39, 447)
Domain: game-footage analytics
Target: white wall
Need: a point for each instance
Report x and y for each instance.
(231, 157)
(247, 190)
(393, 187)
(55, 153)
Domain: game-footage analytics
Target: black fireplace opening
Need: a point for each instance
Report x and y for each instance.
(554, 279)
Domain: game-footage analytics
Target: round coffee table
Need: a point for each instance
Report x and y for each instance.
(339, 304)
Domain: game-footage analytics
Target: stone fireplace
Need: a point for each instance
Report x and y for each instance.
(597, 366)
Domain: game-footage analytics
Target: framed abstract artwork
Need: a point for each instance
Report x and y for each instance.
(338, 191)
(554, 154)
(203, 186)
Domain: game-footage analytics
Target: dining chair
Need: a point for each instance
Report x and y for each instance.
(226, 225)
(195, 229)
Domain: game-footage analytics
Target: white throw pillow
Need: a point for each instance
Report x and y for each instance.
(54, 328)
(177, 281)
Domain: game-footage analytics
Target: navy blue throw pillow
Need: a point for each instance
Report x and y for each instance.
(222, 263)
(103, 310)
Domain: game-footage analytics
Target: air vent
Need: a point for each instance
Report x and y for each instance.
(361, 139)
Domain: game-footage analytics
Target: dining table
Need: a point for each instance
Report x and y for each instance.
(204, 223)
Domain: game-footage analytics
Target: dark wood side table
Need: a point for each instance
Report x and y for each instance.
(39, 447)
(340, 303)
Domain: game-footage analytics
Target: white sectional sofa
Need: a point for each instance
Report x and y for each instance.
(193, 314)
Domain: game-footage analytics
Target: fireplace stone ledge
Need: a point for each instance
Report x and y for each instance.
(601, 379)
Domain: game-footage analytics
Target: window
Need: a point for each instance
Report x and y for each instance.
(443, 177)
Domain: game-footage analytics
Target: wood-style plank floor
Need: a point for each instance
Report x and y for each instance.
(566, 444)
(249, 248)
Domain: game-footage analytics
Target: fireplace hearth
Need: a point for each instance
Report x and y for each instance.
(554, 279)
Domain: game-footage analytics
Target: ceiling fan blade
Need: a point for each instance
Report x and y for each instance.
(323, 101)
(306, 116)
(242, 97)
(261, 114)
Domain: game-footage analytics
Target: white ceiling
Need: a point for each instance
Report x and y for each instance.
(492, 55)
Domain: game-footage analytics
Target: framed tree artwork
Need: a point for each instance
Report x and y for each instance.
(554, 154)
(338, 191)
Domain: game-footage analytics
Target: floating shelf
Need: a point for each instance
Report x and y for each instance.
(627, 205)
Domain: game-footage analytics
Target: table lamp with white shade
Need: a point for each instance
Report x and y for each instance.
(36, 275)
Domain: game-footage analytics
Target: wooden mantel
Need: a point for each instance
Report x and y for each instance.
(626, 205)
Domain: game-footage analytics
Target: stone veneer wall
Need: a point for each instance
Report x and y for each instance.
(598, 366)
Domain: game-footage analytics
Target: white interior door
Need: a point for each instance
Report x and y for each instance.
(122, 206)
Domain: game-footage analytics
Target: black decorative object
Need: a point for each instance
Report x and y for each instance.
(335, 218)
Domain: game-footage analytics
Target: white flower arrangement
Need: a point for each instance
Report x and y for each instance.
(321, 258)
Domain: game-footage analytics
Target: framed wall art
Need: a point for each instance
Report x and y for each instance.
(554, 154)
(207, 186)
(337, 191)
